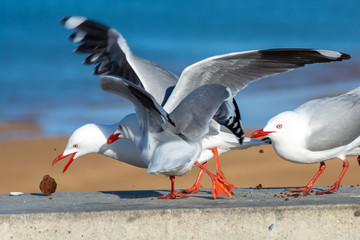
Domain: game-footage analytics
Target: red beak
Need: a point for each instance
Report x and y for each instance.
(260, 133)
(113, 138)
(60, 157)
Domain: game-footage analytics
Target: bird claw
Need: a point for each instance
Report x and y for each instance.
(194, 189)
(332, 189)
(304, 189)
(173, 195)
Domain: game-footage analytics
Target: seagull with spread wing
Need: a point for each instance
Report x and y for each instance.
(171, 143)
(110, 51)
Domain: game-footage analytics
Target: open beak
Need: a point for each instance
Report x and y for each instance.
(113, 138)
(61, 156)
(260, 133)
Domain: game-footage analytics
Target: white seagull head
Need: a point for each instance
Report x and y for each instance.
(283, 127)
(86, 139)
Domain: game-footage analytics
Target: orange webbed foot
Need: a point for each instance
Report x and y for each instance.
(219, 173)
(219, 188)
(173, 195)
(228, 184)
(332, 189)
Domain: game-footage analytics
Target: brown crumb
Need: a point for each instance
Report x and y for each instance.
(261, 151)
(47, 185)
(259, 186)
(275, 195)
(286, 199)
(245, 195)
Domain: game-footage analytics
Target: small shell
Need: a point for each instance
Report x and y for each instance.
(16, 193)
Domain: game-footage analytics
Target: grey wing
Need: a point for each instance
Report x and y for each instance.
(146, 107)
(334, 121)
(193, 115)
(237, 70)
(108, 49)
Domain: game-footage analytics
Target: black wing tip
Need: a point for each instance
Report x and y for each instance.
(72, 36)
(303, 56)
(63, 20)
(84, 24)
(345, 56)
(334, 55)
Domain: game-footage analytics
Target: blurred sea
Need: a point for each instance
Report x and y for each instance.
(43, 82)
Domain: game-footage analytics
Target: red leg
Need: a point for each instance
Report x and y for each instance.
(173, 194)
(309, 186)
(218, 187)
(195, 189)
(336, 185)
(219, 173)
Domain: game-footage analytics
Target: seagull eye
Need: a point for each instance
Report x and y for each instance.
(75, 146)
(119, 127)
(279, 126)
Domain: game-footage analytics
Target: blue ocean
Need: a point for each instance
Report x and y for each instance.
(43, 82)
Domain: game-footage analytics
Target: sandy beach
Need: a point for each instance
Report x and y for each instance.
(25, 162)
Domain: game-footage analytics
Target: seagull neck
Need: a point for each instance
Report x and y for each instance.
(293, 150)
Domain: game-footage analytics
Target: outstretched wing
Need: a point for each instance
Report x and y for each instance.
(150, 114)
(191, 119)
(237, 70)
(111, 54)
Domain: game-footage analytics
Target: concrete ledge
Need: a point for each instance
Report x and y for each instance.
(251, 214)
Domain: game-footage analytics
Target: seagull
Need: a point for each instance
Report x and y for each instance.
(317, 131)
(92, 138)
(110, 51)
(171, 143)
